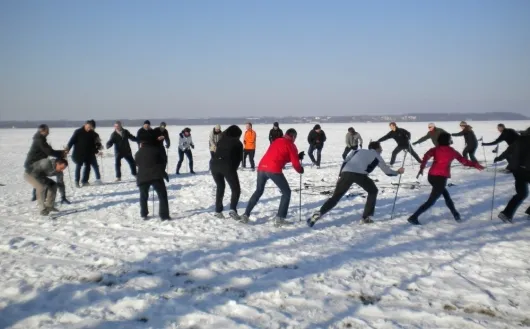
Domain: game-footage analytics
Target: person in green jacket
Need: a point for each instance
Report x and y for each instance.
(433, 133)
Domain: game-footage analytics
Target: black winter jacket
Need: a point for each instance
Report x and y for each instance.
(400, 135)
(229, 151)
(158, 132)
(275, 134)
(146, 136)
(151, 164)
(121, 142)
(316, 139)
(469, 137)
(508, 135)
(84, 143)
(40, 149)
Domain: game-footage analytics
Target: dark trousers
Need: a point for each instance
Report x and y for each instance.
(161, 192)
(250, 154)
(438, 189)
(343, 185)
(86, 171)
(522, 179)
(400, 148)
(347, 150)
(311, 150)
(231, 177)
(283, 185)
(470, 150)
(130, 161)
(164, 155)
(188, 153)
(95, 166)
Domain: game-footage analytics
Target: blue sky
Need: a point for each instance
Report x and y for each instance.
(201, 58)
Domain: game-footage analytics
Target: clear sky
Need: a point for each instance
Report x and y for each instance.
(110, 59)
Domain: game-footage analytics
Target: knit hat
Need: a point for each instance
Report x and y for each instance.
(316, 127)
(147, 122)
(276, 124)
(163, 124)
(92, 122)
(218, 127)
(351, 130)
(463, 123)
(43, 127)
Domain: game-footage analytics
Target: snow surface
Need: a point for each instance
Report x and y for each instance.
(104, 267)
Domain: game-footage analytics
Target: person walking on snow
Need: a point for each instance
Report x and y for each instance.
(433, 134)
(151, 172)
(185, 146)
(355, 169)
(507, 135)
(439, 172)
(520, 168)
(215, 136)
(316, 140)
(224, 163)
(93, 159)
(402, 138)
(40, 149)
(122, 149)
(249, 146)
(280, 152)
(470, 139)
(353, 142)
(38, 176)
(162, 131)
(275, 132)
(84, 142)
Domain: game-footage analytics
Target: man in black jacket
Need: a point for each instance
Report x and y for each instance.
(224, 163)
(520, 168)
(507, 135)
(94, 161)
(316, 140)
(402, 138)
(162, 131)
(151, 172)
(84, 140)
(275, 132)
(39, 150)
(122, 149)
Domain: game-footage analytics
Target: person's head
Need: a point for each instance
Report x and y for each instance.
(375, 146)
(444, 139)
(60, 165)
(276, 125)
(291, 134)
(93, 123)
(162, 126)
(351, 130)
(118, 126)
(431, 126)
(393, 126)
(217, 128)
(186, 131)
(248, 126)
(147, 124)
(89, 125)
(233, 131)
(44, 130)
(317, 128)
(501, 127)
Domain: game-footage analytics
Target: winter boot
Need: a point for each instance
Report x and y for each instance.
(166, 218)
(244, 219)
(86, 184)
(45, 212)
(34, 195)
(52, 209)
(367, 220)
(413, 220)
(64, 200)
(313, 219)
(118, 179)
(233, 214)
(98, 182)
(77, 185)
(219, 215)
(279, 222)
(456, 215)
(504, 218)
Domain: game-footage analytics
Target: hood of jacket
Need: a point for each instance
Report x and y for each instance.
(233, 131)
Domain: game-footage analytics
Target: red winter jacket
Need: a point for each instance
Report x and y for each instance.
(280, 152)
(443, 156)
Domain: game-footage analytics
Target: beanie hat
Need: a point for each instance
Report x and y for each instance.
(463, 123)
(316, 127)
(92, 122)
(218, 127)
(276, 124)
(351, 130)
(147, 122)
(163, 124)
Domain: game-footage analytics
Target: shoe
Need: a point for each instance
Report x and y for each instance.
(34, 198)
(77, 185)
(243, 219)
(65, 201)
(413, 221)
(118, 180)
(252, 169)
(279, 222)
(233, 214)
(45, 212)
(166, 218)
(86, 184)
(367, 220)
(219, 215)
(192, 172)
(146, 217)
(457, 217)
(504, 218)
(166, 177)
(52, 209)
(313, 219)
(318, 167)
(98, 182)
(177, 173)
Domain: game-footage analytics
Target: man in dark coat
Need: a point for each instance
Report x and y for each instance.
(275, 132)
(84, 142)
(151, 172)
(39, 150)
(224, 163)
(520, 168)
(316, 140)
(470, 139)
(507, 135)
(94, 161)
(122, 149)
(162, 131)
(433, 133)
(402, 138)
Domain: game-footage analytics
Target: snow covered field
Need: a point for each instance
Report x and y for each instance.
(104, 267)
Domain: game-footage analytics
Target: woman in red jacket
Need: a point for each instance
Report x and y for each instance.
(440, 171)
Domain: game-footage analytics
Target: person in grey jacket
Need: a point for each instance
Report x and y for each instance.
(185, 146)
(353, 142)
(38, 176)
(433, 133)
(355, 169)
(215, 135)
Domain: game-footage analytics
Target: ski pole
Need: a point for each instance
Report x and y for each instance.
(153, 200)
(494, 184)
(484, 151)
(102, 166)
(411, 159)
(300, 201)
(397, 189)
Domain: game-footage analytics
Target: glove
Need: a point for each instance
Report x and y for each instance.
(301, 155)
(415, 143)
(361, 146)
(497, 159)
(302, 171)
(192, 146)
(167, 146)
(108, 146)
(494, 151)
(64, 200)
(420, 173)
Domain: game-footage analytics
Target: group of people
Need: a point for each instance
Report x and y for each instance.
(228, 153)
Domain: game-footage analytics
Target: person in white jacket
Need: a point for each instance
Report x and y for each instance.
(185, 146)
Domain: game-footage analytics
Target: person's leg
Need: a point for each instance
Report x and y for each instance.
(343, 185)
(251, 154)
(414, 154)
(260, 188)
(144, 196)
(95, 165)
(132, 164)
(310, 153)
(117, 165)
(521, 193)
(163, 204)
(51, 193)
(77, 174)
(465, 152)
(39, 187)
(438, 188)
(244, 162)
(395, 152)
(367, 184)
(319, 156)
(86, 171)
(283, 185)
(472, 151)
(345, 153)
(232, 179)
(190, 160)
(181, 159)
(220, 190)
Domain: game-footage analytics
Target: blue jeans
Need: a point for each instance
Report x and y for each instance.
(283, 185)
(95, 166)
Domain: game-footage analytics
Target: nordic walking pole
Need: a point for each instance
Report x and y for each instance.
(397, 189)
(153, 200)
(102, 166)
(484, 151)
(411, 159)
(300, 201)
(494, 184)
